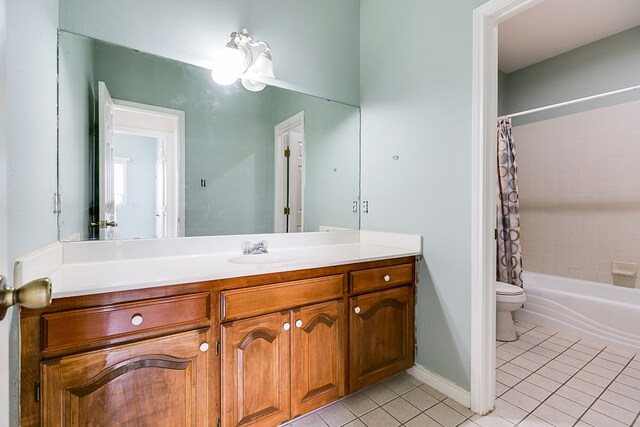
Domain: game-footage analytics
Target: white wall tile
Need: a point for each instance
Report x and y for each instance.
(580, 191)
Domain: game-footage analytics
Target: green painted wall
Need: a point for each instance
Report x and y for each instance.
(229, 137)
(76, 102)
(605, 65)
(502, 93)
(29, 83)
(315, 43)
(416, 104)
(332, 160)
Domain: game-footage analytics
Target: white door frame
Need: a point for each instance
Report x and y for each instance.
(483, 180)
(168, 125)
(280, 130)
(5, 326)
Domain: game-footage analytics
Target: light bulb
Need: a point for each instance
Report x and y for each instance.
(232, 62)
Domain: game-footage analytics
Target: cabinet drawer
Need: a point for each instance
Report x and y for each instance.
(381, 278)
(248, 302)
(87, 328)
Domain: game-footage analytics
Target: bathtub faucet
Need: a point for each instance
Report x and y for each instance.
(254, 249)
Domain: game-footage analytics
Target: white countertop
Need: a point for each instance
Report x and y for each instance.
(81, 268)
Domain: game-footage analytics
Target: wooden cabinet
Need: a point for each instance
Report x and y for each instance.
(289, 342)
(162, 381)
(278, 366)
(381, 338)
(71, 331)
(256, 371)
(317, 356)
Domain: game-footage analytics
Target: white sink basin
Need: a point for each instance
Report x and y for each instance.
(268, 258)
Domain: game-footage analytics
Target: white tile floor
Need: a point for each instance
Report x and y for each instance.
(543, 379)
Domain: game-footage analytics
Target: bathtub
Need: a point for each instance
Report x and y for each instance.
(599, 312)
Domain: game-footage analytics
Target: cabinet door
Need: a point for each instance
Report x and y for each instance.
(162, 381)
(317, 355)
(255, 371)
(381, 335)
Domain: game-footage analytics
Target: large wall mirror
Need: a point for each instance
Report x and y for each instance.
(156, 147)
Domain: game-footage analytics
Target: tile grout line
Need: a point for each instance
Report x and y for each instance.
(562, 384)
(521, 380)
(603, 391)
(397, 396)
(468, 418)
(565, 383)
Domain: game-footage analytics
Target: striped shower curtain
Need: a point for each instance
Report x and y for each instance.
(509, 254)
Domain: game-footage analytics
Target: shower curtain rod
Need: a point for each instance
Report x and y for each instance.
(574, 101)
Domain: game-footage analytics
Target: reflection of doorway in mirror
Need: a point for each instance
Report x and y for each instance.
(151, 139)
(136, 185)
(289, 167)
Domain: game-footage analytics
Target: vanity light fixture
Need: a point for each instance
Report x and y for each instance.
(236, 61)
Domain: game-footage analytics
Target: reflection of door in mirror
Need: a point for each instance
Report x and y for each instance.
(146, 177)
(289, 185)
(106, 211)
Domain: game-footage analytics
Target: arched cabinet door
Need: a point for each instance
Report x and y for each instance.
(161, 381)
(381, 335)
(317, 356)
(255, 371)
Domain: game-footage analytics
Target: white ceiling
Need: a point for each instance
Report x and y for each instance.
(557, 26)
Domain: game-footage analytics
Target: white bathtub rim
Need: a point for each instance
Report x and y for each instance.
(579, 323)
(628, 317)
(570, 314)
(534, 281)
(565, 304)
(546, 321)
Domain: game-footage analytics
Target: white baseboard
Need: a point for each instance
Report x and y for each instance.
(441, 384)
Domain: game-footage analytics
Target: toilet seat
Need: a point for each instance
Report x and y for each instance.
(507, 289)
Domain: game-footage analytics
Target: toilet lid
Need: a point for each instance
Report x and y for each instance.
(508, 289)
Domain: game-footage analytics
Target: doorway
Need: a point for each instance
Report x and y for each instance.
(289, 173)
(146, 172)
(486, 19)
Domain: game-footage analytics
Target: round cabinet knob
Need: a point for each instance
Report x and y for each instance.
(286, 326)
(387, 278)
(204, 347)
(299, 323)
(136, 319)
(357, 310)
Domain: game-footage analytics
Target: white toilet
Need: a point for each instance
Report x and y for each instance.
(508, 298)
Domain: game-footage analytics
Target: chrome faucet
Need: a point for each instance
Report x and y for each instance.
(254, 249)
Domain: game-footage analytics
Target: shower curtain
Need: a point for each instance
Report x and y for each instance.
(509, 254)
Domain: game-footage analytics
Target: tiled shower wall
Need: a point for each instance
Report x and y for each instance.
(579, 183)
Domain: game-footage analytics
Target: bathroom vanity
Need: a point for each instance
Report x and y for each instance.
(257, 347)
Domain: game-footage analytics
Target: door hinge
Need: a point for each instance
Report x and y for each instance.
(104, 224)
(36, 391)
(495, 234)
(287, 211)
(218, 422)
(287, 153)
(57, 203)
(354, 207)
(217, 347)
